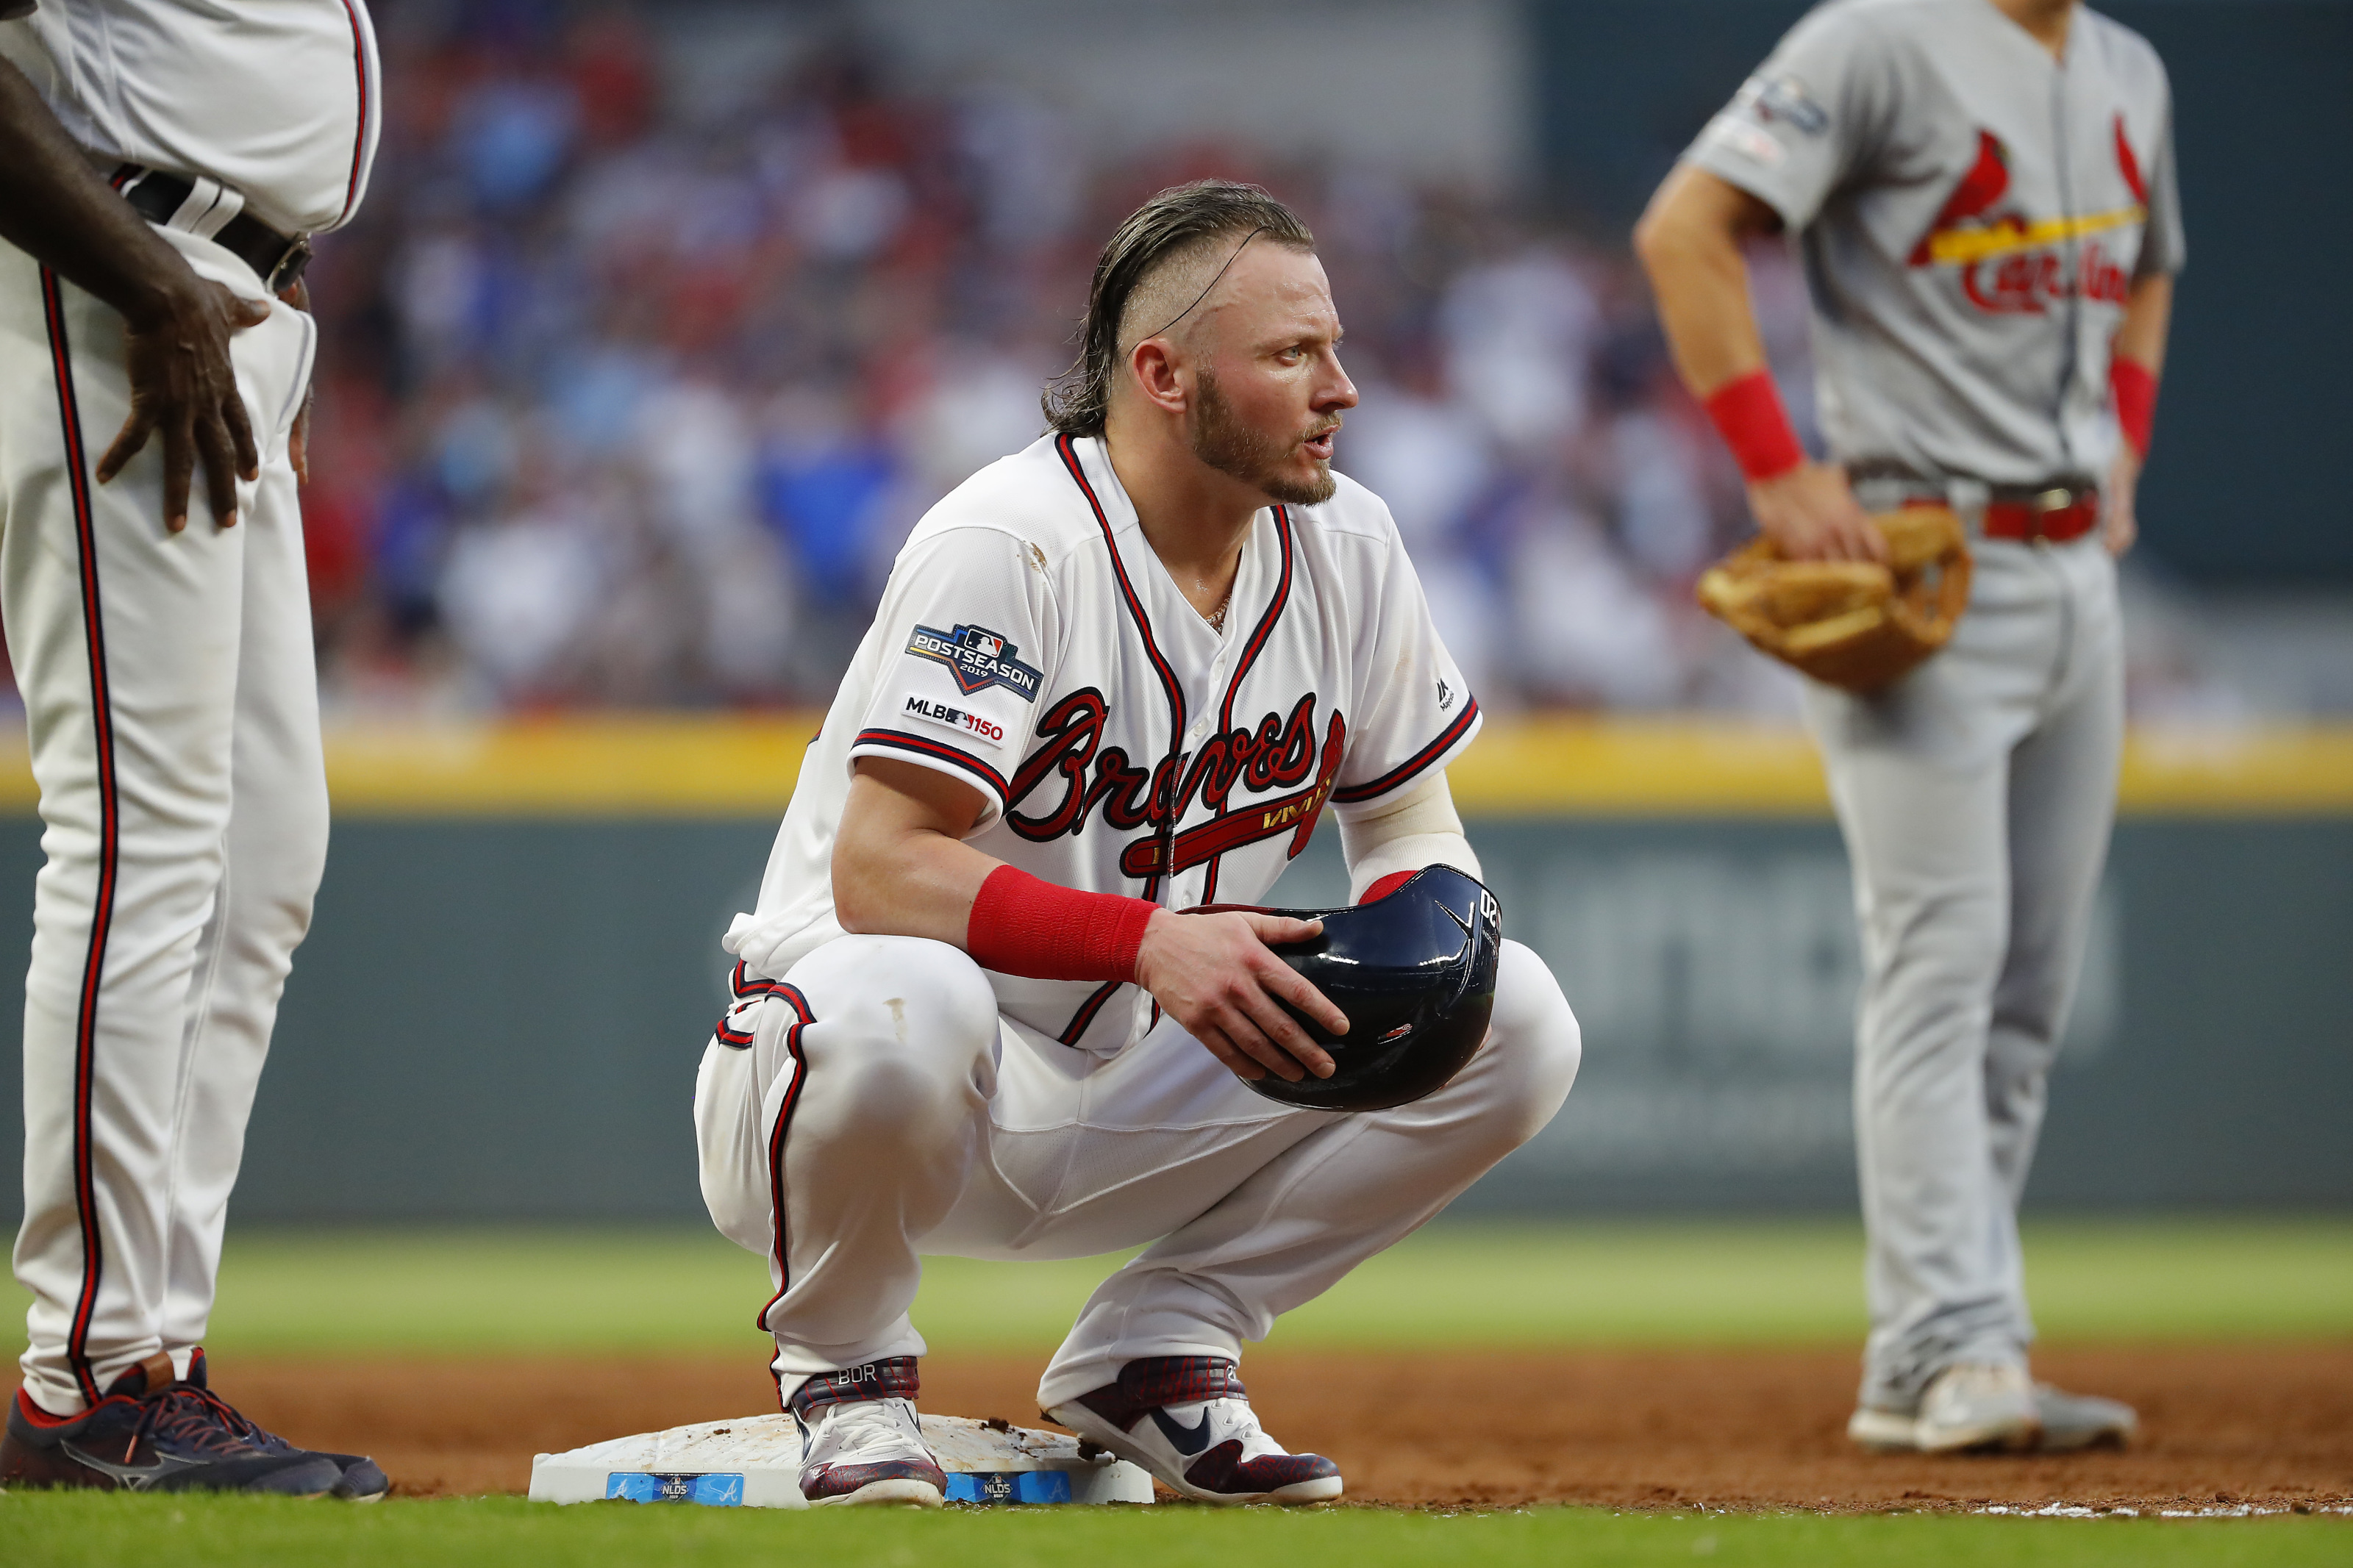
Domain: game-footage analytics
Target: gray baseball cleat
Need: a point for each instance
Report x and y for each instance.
(2074, 1421)
(1977, 1406)
(1885, 1431)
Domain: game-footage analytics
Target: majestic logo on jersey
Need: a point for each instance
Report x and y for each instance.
(1275, 753)
(2010, 263)
(979, 658)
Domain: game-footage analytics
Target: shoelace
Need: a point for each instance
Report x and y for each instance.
(195, 1416)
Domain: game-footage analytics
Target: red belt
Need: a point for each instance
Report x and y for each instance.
(2037, 519)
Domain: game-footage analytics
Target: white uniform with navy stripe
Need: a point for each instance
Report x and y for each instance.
(871, 1097)
(168, 680)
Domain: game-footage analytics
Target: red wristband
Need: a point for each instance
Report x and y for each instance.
(1021, 925)
(1383, 887)
(2134, 386)
(1749, 411)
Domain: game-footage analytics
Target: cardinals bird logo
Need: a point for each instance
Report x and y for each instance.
(2010, 263)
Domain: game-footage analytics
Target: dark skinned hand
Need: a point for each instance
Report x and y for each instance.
(184, 388)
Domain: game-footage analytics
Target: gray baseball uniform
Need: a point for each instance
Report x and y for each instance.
(1972, 212)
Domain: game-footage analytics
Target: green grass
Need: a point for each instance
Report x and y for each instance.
(1764, 1282)
(72, 1531)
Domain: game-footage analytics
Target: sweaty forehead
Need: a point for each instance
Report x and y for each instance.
(1262, 271)
(1273, 291)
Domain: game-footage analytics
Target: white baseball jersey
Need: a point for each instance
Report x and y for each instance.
(1031, 645)
(276, 99)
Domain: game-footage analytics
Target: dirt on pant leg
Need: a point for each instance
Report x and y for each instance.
(2271, 1425)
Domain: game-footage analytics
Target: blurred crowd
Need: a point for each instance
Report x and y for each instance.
(623, 403)
(627, 397)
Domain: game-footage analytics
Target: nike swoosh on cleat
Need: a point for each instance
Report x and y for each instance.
(136, 1477)
(1186, 1440)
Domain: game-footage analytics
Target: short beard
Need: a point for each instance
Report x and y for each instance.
(1232, 447)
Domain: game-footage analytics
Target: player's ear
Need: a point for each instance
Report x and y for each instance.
(1157, 372)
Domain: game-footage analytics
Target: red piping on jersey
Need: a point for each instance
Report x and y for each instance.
(359, 134)
(1249, 656)
(931, 748)
(110, 839)
(1067, 448)
(802, 1018)
(1085, 1016)
(1168, 681)
(746, 989)
(1414, 764)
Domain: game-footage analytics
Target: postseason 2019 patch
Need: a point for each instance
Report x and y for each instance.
(979, 658)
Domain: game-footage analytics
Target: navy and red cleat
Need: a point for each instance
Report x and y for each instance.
(363, 1479)
(153, 1432)
(861, 1442)
(1186, 1420)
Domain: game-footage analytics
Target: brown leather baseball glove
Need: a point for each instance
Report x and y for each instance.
(1854, 623)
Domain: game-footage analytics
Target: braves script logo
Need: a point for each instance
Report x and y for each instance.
(979, 658)
(2010, 264)
(1275, 753)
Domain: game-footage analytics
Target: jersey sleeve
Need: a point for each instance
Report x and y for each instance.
(1413, 711)
(969, 634)
(1811, 116)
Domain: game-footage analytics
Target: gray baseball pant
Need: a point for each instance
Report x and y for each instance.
(1976, 797)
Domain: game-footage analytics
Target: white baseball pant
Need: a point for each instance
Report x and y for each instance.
(882, 1103)
(172, 701)
(1976, 796)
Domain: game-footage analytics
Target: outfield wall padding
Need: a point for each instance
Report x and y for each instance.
(500, 1018)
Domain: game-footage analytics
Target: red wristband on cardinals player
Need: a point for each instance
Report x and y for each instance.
(2135, 390)
(1021, 925)
(1749, 411)
(1383, 887)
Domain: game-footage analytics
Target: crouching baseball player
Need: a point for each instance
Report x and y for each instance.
(1114, 677)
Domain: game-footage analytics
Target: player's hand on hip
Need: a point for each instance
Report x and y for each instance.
(1214, 975)
(2119, 520)
(1811, 514)
(184, 388)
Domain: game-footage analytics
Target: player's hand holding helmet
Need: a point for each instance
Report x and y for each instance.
(1856, 624)
(1214, 971)
(1412, 973)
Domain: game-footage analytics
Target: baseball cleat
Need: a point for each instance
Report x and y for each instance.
(363, 1479)
(1977, 1406)
(153, 1432)
(2074, 1421)
(1186, 1420)
(861, 1442)
(1883, 1431)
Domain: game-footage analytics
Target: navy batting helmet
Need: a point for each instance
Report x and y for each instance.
(1414, 973)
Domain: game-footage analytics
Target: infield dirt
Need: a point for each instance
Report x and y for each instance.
(2269, 1426)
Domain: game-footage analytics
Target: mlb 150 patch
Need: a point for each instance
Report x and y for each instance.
(974, 726)
(979, 658)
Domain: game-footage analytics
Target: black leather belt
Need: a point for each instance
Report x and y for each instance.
(277, 259)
